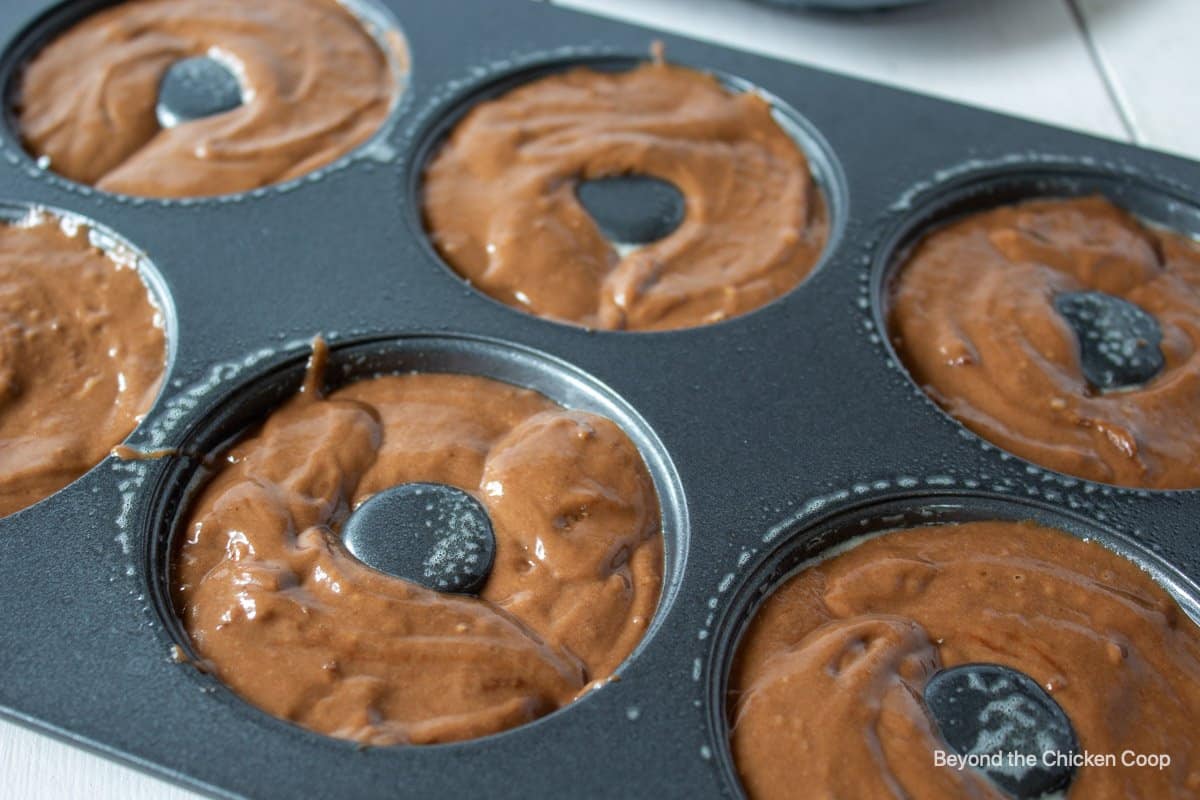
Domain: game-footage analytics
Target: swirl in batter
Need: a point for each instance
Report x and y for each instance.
(82, 353)
(827, 685)
(315, 86)
(972, 316)
(500, 199)
(297, 626)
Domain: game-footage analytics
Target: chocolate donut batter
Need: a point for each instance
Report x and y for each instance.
(501, 208)
(82, 354)
(315, 85)
(297, 626)
(972, 316)
(826, 689)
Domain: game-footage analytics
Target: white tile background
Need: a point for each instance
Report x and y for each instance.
(1125, 69)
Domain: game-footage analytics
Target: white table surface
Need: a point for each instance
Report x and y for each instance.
(1125, 69)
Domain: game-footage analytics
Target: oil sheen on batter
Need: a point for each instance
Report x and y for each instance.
(297, 626)
(82, 353)
(501, 208)
(826, 688)
(316, 86)
(973, 319)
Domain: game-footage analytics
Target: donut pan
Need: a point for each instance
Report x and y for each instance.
(769, 436)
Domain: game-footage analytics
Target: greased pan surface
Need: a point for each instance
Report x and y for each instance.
(758, 431)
